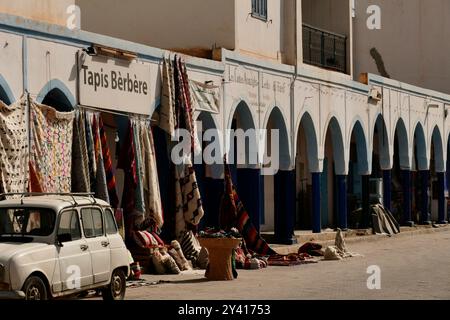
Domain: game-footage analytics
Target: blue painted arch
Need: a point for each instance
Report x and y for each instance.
(383, 142)
(278, 120)
(6, 94)
(242, 112)
(401, 134)
(436, 139)
(312, 145)
(361, 146)
(56, 94)
(338, 145)
(420, 148)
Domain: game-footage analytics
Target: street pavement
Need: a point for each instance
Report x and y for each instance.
(410, 267)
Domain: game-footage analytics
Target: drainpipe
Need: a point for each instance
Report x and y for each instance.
(294, 79)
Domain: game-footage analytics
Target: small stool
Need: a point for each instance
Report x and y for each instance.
(220, 251)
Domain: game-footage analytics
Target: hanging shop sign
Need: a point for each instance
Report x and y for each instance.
(206, 97)
(114, 84)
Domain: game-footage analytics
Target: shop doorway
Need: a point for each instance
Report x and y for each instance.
(401, 174)
(358, 197)
(279, 185)
(334, 162)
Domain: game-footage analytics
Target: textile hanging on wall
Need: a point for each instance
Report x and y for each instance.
(51, 147)
(192, 202)
(180, 222)
(90, 145)
(110, 178)
(80, 161)
(205, 97)
(127, 162)
(139, 193)
(187, 104)
(101, 189)
(167, 120)
(14, 159)
(152, 195)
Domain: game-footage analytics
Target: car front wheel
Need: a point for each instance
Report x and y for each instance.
(34, 289)
(117, 287)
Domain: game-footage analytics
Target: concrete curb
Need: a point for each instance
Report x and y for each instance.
(409, 232)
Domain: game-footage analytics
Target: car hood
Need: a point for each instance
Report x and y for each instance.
(10, 249)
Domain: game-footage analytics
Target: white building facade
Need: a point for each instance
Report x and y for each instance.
(338, 137)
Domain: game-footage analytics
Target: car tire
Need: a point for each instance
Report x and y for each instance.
(35, 289)
(116, 289)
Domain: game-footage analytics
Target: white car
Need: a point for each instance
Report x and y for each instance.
(58, 245)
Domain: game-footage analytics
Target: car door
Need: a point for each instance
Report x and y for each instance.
(98, 244)
(119, 255)
(75, 263)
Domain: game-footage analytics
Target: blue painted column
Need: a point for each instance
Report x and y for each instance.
(284, 205)
(250, 187)
(425, 213)
(366, 214)
(342, 201)
(407, 198)
(317, 224)
(442, 206)
(387, 189)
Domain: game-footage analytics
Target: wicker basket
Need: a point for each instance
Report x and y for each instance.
(220, 251)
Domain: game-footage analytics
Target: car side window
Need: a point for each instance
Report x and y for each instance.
(69, 224)
(111, 227)
(92, 222)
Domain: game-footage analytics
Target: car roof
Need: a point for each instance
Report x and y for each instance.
(55, 202)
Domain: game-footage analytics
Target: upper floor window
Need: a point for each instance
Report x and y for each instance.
(259, 9)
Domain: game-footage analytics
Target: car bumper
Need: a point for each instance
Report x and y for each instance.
(12, 295)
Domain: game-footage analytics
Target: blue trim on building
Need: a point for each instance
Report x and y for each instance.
(425, 217)
(407, 198)
(442, 206)
(317, 224)
(284, 206)
(341, 181)
(56, 84)
(6, 91)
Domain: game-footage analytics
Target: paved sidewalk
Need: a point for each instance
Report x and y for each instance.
(412, 267)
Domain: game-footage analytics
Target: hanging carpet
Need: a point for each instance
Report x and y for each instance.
(51, 148)
(13, 148)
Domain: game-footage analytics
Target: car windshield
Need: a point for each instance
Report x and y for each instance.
(27, 221)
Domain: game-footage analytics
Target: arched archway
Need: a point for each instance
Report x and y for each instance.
(357, 209)
(437, 175)
(56, 94)
(334, 165)
(420, 149)
(306, 163)
(209, 169)
(56, 99)
(279, 179)
(421, 177)
(401, 176)
(381, 178)
(6, 94)
(244, 161)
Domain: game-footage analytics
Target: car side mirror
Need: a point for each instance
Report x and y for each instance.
(64, 237)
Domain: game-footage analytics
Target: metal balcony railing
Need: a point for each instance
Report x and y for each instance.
(324, 49)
